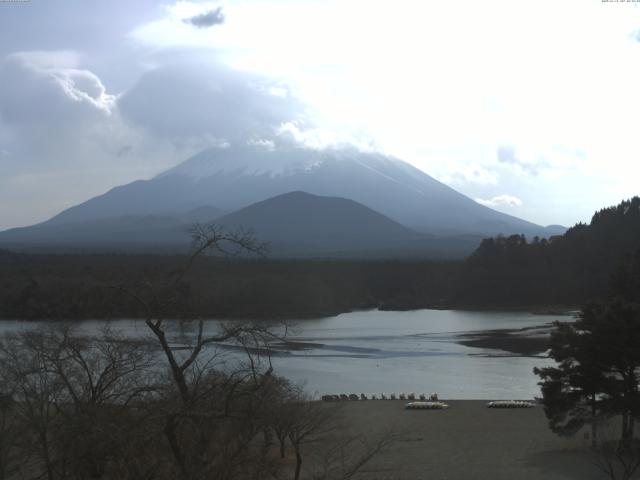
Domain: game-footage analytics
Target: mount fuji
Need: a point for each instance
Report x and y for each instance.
(224, 180)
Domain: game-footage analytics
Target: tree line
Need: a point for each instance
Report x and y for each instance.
(564, 270)
(504, 272)
(80, 286)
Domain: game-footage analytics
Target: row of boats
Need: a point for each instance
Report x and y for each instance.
(426, 406)
(422, 405)
(422, 401)
(382, 396)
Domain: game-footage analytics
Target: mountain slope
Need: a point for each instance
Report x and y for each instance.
(295, 224)
(235, 177)
(299, 223)
(132, 233)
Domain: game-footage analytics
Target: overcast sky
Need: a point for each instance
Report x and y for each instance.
(527, 106)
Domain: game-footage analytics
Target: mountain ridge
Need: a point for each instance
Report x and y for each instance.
(235, 177)
(299, 223)
(296, 224)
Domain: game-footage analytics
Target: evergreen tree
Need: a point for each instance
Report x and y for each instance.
(615, 326)
(598, 369)
(572, 391)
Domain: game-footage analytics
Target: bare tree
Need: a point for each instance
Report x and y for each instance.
(36, 392)
(210, 414)
(70, 394)
(309, 422)
(102, 406)
(280, 418)
(158, 301)
(11, 438)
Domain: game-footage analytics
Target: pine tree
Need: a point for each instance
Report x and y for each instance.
(598, 369)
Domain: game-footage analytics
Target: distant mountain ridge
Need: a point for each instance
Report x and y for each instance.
(392, 206)
(236, 177)
(295, 224)
(134, 233)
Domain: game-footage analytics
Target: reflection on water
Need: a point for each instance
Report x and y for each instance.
(415, 351)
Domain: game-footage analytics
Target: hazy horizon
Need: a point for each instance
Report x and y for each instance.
(527, 107)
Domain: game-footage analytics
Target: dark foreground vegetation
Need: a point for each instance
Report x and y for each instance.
(596, 377)
(504, 272)
(76, 287)
(169, 407)
(73, 407)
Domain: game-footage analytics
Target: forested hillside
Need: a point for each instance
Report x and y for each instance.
(567, 269)
(503, 273)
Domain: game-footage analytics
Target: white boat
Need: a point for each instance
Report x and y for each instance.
(426, 405)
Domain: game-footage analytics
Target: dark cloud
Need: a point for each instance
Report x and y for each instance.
(124, 150)
(207, 19)
(189, 99)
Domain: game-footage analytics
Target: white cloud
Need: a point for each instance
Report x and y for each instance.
(474, 174)
(265, 144)
(321, 138)
(525, 164)
(500, 201)
(37, 90)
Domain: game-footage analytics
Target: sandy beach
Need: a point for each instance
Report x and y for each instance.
(468, 441)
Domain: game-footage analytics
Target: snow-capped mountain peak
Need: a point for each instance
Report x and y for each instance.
(237, 176)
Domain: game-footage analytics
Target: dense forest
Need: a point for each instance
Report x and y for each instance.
(504, 272)
(86, 286)
(568, 269)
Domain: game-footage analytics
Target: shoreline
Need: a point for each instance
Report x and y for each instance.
(546, 310)
(528, 341)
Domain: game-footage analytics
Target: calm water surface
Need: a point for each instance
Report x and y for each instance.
(415, 351)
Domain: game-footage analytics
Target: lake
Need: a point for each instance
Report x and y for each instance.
(379, 351)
